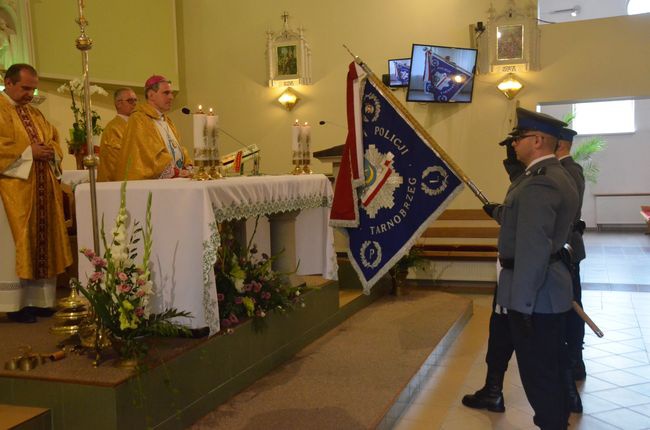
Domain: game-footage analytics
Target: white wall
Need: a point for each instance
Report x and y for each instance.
(222, 62)
(623, 170)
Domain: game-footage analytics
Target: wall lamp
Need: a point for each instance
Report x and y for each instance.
(288, 98)
(510, 86)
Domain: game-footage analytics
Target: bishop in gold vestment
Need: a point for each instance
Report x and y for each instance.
(150, 146)
(30, 157)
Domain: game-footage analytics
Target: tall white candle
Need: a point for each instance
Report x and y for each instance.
(305, 140)
(212, 133)
(198, 126)
(295, 136)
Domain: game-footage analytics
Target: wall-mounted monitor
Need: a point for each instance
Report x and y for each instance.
(398, 72)
(441, 74)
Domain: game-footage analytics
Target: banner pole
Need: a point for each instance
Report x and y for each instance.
(423, 133)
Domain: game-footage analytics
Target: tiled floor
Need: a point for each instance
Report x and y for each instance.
(616, 394)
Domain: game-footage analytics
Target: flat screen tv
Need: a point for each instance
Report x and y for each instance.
(441, 74)
(398, 72)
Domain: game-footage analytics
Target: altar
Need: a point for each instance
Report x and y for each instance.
(185, 215)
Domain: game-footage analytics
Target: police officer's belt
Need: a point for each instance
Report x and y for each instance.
(509, 263)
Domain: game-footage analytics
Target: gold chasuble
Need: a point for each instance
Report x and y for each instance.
(145, 151)
(33, 205)
(109, 149)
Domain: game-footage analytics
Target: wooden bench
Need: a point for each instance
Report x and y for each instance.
(461, 245)
(645, 213)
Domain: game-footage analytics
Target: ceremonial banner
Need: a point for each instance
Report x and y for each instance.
(404, 185)
(403, 72)
(442, 78)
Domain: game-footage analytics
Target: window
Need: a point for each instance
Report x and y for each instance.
(604, 117)
(635, 7)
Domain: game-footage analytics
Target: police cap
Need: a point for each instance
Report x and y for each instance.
(567, 134)
(535, 121)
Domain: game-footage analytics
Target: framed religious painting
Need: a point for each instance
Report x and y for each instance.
(288, 57)
(509, 43)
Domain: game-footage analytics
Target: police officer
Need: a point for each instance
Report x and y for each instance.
(575, 329)
(500, 347)
(534, 285)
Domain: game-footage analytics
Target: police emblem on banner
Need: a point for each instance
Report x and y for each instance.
(443, 78)
(406, 186)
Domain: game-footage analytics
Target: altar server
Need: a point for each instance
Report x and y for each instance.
(150, 147)
(30, 165)
(109, 150)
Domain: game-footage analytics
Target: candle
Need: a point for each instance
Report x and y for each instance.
(295, 138)
(212, 133)
(305, 139)
(198, 126)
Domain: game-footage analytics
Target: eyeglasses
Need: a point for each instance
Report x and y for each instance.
(132, 101)
(524, 136)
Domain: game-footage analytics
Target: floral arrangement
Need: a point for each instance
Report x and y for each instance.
(119, 290)
(78, 132)
(247, 286)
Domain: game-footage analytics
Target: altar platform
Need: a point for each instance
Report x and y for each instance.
(327, 352)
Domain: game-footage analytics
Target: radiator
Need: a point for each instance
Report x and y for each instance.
(620, 209)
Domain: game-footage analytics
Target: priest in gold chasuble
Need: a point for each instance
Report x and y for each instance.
(30, 157)
(150, 147)
(109, 149)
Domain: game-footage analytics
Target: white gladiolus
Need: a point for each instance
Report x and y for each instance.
(239, 285)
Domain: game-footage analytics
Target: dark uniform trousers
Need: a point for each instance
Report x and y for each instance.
(500, 346)
(575, 327)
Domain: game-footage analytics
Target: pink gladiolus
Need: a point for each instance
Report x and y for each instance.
(97, 276)
(220, 297)
(140, 293)
(123, 288)
(257, 287)
(99, 262)
(89, 253)
(233, 318)
(266, 295)
(122, 276)
(140, 282)
(139, 311)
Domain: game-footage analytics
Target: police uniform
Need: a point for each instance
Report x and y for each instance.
(534, 284)
(575, 328)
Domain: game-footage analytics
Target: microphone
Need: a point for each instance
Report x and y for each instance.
(323, 122)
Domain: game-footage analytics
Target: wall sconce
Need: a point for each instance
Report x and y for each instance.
(288, 98)
(510, 86)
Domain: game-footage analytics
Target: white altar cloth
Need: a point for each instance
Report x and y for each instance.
(184, 216)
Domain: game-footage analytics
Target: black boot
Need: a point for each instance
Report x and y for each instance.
(573, 397)
(489, 397)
